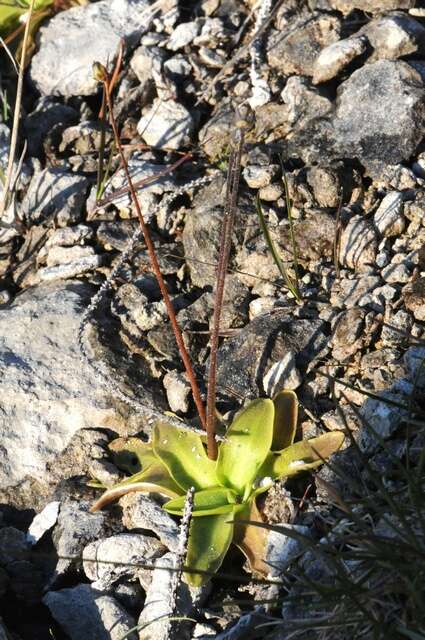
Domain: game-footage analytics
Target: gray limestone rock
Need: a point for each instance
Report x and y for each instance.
(64, 255)
(295, 52)
(46, 392)
(66, 270)
(335, 57)
(347, 293)
(389, 218)
(57, 194)
(358, 245)
(380, 114)
(245, 358)
(395, 35)
(75, 528)
(149, 187)
(167, 124)
(381, 416)
(153, 621)
(183, 35)
(85, 613)
(347, 334)
(108, 560)
(48, 114)
(414, 298)
(141, 512)
(178, 391)
(42, 522)
(73, 40)
(373, 6)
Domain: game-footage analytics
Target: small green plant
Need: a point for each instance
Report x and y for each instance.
(257, 449)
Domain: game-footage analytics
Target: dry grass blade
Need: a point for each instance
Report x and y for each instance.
(16, 114)
(291, 285)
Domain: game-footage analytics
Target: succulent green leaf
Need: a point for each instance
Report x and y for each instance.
(209, 540)
(307, 454)
(183, 453)
(246, 446)
(154, 479)
(132, 454)
(205, 503)
(285, 419)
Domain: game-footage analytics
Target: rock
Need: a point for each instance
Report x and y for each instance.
(153, 621)
(296, 52)
(304, 101)
(116, 235)
(396, 273)
(347, 293)
(142, 173)
(347, 334)
(326, 183)
(381, 417)
(257, 176)
(335, 57)
(395, 35)
(358, 245)
(314, 236)
(64, 255)
(84, 138)
(147, 63)
(396, 328)
(245, 358)
(282, 375)
(85, 613)
(135, 311)
(141, 512)
(130, 595)
(55, 194)
(234, 312)
(380, 114)
(372, 6)
(70, 236)
(215, 135)
(414, 359)
(69, 269)
(75, 528)
(47, 392)
(414, 298)
(166, 125)
(108, 560)
(178, 391)
(183, 35)
(283, 549)
(389, 218)
(73, 40)
(43, 522)
(259, 306)
(13, 545)
(48, 114)
(201, 234)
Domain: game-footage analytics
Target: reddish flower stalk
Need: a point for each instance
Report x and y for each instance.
(102, 75)
(232, 189)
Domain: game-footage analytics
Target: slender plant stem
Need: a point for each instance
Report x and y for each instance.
(100, 166)
(154, 261)
(232, 189)
(17, 113)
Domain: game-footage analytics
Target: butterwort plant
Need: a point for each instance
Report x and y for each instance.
(258, 448)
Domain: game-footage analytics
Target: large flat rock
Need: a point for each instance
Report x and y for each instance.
(47, 391)
(73, 40)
